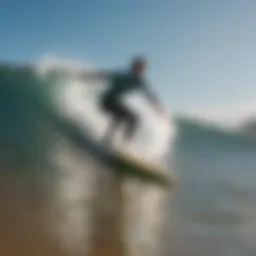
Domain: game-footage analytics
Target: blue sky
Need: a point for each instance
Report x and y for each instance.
(202, 53)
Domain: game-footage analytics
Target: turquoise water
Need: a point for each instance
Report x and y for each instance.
(214, 210)
(26, 103)
(22, 107)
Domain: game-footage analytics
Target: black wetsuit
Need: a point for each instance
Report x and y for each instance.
(120, 85)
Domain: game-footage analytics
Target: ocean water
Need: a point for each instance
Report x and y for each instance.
(215, 208)
(48, 185)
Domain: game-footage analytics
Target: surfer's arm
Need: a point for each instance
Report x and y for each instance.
(150, 95)
(152, 98)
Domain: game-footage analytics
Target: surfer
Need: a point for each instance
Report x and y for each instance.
(110, 102)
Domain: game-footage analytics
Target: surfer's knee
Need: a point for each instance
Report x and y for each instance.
(132, 125)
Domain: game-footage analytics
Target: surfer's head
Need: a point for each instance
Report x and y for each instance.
(138, 66)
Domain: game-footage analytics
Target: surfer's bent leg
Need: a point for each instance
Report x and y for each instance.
(125, 115)
(109, 107)
(132, 124)
(121, 114)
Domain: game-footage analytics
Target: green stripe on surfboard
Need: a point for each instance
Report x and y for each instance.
(132, 166)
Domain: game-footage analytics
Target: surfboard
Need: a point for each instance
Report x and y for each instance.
(123, 163)
(142, 167)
